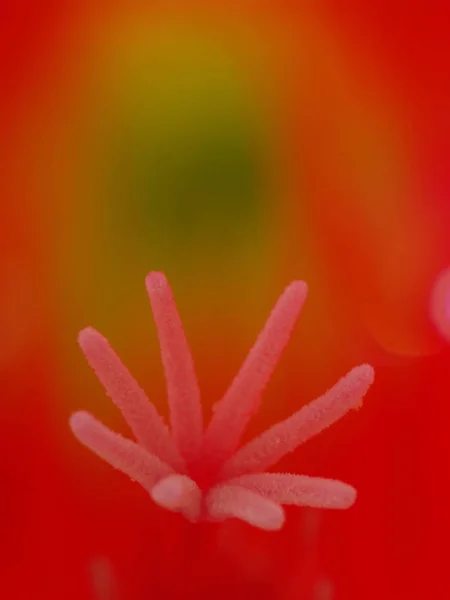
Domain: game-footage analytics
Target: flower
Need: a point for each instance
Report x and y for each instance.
(202, 473)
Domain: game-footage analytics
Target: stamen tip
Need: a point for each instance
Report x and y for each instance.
(78, 421)
(167, 492)
(368, 372)
(298, 287)
(88, 334)
(351, 496)
(155, 280)
(365, 373)
(274, 521)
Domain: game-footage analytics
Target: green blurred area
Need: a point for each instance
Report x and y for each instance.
(182, 147)
(175, 175)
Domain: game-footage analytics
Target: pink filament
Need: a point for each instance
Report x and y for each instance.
(119, 452)
(300, 490)
(182, 387)
(281, 439)
(226, 501)
(242, 399)
(179, 493)
(140, 414)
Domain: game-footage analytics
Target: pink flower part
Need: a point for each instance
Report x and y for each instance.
(179, 493)
(226, 501)
(142, 416)
(282, 438)
(119, 452)
(242, 400)
(300, 490)
(440, 304)
(182, 388)
(197, 474)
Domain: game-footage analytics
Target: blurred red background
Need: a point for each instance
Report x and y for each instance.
(331, 125)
